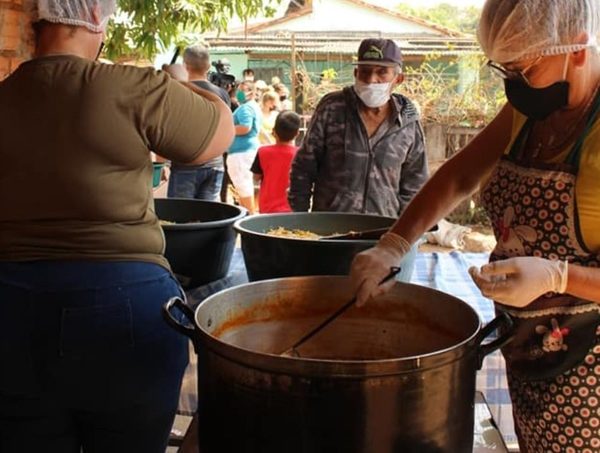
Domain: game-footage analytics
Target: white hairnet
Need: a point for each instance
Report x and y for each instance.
(513, 30)
(77, 12)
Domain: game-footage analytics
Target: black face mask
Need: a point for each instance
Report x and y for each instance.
(537, 103)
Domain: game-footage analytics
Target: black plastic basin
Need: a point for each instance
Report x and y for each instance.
(200, 244)
(268, 256)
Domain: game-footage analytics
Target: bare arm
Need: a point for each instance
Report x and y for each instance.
(456, 179)
(225, 130)
(241, 130)
(584, 282)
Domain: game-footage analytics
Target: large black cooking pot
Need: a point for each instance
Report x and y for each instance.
(200, 244)
(396, 376)
(268, 256)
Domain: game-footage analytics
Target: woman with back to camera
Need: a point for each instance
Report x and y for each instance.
(88, 364)
(537, 165)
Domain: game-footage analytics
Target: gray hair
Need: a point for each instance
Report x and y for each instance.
(197, 58)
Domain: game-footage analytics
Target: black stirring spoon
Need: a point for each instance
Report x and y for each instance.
(293, 352)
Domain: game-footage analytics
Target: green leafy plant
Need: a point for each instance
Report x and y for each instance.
(143, 28)
(442, 99)
(434, 86)
(463, 19)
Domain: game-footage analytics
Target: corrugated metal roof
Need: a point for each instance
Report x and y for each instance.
(344, 45)
(320, 50)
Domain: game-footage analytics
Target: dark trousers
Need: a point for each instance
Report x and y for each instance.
(226, 181)
(194, 182)
(86, 361)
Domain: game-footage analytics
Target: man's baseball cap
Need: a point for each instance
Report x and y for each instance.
(379, 52)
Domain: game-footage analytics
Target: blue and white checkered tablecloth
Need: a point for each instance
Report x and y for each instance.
(447, 272)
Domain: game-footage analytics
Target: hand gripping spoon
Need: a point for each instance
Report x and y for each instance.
(293, 351)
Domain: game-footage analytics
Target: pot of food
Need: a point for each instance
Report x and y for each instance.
(293, 244)
(199, 238)
(397, 375)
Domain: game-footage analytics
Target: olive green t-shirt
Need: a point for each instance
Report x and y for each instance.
(75, 142)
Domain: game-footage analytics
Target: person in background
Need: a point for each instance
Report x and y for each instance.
(225, 193)
(248, 75)
(202, 182)
(260, 88)
(88, 364)
(284, 96)
(248, 121)
(272, 164)
(233, 90)
(364, 150)
(269, 107)
(537, 165)
(197, 64)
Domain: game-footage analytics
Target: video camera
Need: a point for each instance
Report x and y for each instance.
(222, 78)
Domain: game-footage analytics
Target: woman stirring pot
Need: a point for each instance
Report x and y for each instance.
(537, 165)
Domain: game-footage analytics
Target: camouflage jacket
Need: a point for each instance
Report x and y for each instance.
(337, 167)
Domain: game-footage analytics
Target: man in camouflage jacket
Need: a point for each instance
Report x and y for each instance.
(347, 163)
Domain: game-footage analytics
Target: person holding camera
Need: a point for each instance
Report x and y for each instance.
(221, 77)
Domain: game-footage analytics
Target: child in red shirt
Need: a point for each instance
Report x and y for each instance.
(272, 164)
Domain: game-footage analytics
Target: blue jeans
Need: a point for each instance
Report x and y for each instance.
(193, 182)
(86, 361)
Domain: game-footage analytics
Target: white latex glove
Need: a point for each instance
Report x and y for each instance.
(519, 281)
(373, 265)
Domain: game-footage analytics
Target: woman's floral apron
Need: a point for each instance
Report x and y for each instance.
(553, 364)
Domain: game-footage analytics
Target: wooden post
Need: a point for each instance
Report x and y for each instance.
(293, 78)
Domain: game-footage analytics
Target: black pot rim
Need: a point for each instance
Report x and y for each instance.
(241, 213)
(240, 227)
(335, 368)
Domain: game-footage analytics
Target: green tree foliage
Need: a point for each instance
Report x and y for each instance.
(456, 92)
(142, 28)
(462, 19)
(440, 98)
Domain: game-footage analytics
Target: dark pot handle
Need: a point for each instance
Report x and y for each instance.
(188, 313)
(502, 319)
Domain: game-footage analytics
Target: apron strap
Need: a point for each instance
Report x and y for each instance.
(519, 143)
(575, 154)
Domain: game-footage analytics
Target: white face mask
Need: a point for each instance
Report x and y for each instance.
(373, 94)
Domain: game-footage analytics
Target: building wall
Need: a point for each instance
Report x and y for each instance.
(238, 60)
(341, 15)
(16, 34)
